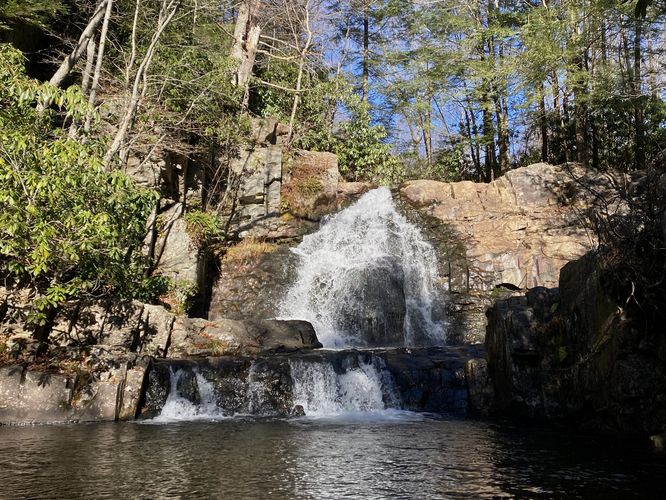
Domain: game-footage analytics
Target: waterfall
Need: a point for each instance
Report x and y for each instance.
(359, 387)
(177, 407)
(368, 278)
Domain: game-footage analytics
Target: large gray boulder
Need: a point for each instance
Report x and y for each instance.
(28, 396)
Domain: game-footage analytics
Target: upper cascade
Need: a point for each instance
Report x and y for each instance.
(368, 278)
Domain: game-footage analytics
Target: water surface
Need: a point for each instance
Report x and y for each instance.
(389, 455)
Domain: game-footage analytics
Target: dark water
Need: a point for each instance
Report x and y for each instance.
(363, 458)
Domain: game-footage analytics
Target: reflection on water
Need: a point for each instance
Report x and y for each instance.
(313, 458)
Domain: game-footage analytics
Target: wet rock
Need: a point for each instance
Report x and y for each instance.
(298, 411)
(479, 387)
(255, 289)
(425, 379)
(349, 192)
(378, 312)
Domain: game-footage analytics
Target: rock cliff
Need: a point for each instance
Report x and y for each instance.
(513, 233)
(573, 353)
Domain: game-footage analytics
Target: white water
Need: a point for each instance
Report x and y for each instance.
(339, 263)
(362, 387)
(176, 408)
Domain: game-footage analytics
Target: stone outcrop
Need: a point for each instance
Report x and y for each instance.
(253, 289)
(572, 353)
(192, 337)
(513, 233)
(427, 379)
(260, 172)
(177, 255)
(112, 342)
(311, 187)
(519, 229)
(35, 397)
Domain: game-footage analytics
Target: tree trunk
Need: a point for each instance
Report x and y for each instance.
(70, 61)
(98, 65)
(167, 13)
(246, 39)
(301, 68)
(544, 127)
(488, 134)
(638, 101)
(366, 51)
(90, 61)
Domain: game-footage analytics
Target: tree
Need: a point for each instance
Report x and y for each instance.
(67, 227)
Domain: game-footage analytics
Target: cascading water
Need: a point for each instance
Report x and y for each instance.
(360, 387)
(368, 278)
(178, 407)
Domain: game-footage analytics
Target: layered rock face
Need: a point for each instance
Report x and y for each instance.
(114, 343)
(515, 232)
(320, 382)
(571, 352)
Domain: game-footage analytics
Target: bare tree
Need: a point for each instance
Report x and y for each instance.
(246, 41)
(70, 61)
(167, 12)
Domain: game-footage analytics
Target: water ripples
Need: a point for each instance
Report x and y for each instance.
(320, 458)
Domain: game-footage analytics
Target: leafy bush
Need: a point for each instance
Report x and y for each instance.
(68, 228)
(202, 226)
(362, 154)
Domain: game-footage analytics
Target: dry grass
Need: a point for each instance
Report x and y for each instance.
(248, 250)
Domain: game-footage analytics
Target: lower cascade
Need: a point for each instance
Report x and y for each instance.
(315, 384)
(179, 407)
(368, 278)
(319, 390)
(351, 383)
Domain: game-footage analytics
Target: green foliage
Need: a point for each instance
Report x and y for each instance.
(67, 227)
(35, 12)
(151, 288)
(450, 165)
(202, 226)
(362, 154)
(181, 293)
(310, 186)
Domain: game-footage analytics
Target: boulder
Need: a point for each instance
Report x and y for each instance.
(177, 254)
(28, 396)
(193, 337)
